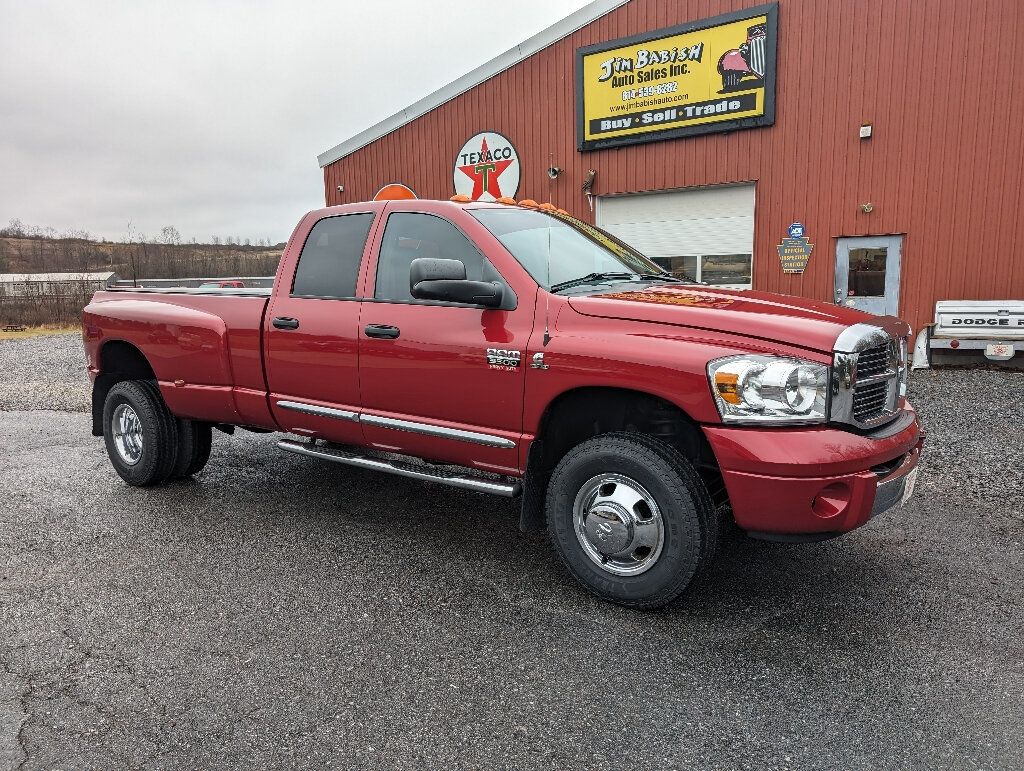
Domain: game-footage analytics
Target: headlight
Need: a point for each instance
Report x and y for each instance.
(769, 389)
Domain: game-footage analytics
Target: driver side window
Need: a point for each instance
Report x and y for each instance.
(411, 235)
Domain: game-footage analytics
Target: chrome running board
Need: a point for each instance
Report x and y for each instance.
(413, 471)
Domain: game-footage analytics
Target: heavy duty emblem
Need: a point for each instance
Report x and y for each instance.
(502, 358)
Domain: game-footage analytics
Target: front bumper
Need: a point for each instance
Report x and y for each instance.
(816, 481)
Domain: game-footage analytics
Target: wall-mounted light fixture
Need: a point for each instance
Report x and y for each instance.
(341, 188)
(865, 131)
(867, 208)
(553, 172)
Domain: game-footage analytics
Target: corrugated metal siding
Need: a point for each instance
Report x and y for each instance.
(939, 80)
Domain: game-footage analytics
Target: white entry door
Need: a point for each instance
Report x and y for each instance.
(706, 234)
(868, 273)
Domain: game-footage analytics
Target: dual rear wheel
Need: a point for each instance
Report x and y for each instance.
(147, 445)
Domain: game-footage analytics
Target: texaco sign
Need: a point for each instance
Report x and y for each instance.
(487, 168)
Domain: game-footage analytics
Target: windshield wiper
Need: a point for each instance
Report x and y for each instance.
(664, 277)
(590, 278)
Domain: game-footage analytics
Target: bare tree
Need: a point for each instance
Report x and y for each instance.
(170, 235)
(16, 229)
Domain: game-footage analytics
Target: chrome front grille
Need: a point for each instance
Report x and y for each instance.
(869, 401)
(874, 361)
(869, 363)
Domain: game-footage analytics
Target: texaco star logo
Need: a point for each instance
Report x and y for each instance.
(487, 168)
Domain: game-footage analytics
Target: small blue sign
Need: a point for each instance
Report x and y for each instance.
(796, 230)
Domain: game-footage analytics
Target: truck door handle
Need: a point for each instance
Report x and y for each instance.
(385, 331)
(285, 322)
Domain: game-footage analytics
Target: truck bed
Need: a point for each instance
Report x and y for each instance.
(205, 347)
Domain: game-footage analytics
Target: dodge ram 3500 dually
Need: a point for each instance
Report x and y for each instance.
(515, 350)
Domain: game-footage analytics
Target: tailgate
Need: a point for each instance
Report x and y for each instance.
(979, 319)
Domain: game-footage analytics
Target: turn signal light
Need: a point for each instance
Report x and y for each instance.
(727, 384)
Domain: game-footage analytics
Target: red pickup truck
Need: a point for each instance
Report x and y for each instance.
(515, 350)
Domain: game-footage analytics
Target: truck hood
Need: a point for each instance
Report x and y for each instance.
(774, 317)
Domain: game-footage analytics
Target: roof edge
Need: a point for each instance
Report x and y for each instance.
(561, 29)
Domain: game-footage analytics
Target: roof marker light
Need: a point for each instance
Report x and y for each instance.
(529, 203)
(395, 191)
(461, 199)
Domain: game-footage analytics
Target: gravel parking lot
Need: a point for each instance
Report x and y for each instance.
(278, 612)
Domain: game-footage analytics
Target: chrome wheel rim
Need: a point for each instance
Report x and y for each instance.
(127, 431)
(618, 524)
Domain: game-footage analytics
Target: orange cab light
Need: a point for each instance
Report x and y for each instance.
(395, 191)
(727, 384)
(461, 199)
(563, 212)
(548, 207)
(506, 200)
(529, 203)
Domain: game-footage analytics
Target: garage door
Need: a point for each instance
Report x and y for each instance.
(705, 234)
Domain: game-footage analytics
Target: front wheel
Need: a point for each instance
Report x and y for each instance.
(140, 433)
(631, 519)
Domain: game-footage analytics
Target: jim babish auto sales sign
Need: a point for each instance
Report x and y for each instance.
(710, 75)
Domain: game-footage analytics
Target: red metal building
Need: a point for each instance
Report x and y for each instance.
(927, 206)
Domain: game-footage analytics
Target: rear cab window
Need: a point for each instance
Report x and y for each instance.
(329, 263)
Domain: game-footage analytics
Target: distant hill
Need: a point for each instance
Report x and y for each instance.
(141, 260)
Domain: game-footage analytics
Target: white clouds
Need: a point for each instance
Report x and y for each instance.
(209, 115)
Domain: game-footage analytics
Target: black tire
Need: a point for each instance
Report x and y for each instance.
(159, 433)
(195, 440)
(687, 514)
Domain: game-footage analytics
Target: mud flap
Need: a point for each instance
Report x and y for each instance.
(535, 488)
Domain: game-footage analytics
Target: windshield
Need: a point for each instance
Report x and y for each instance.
(557, 249)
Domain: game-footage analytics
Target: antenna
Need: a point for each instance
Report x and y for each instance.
(547, 294)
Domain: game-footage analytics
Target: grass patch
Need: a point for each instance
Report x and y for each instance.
(45, 329)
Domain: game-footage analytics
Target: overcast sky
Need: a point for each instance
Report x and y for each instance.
(209, 115)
